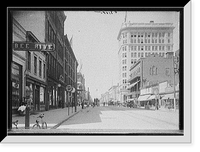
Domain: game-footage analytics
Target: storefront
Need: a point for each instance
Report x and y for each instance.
(52, 95)
(35, 92)
(16, 78)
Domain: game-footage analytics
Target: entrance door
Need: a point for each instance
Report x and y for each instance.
(37, 99)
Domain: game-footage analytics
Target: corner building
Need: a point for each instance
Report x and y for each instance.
(140, 40)
(44, 70)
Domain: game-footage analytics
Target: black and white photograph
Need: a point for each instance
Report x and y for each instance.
(98, 72)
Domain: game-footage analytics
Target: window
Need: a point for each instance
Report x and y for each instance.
(167, 72)
(132, 61)
(131, 48)
(138, 54)
(40, 68)
(131, 54)
(131, 40)
(135, 48)
(35, 65)
(163, 48)
(135, 54)
(152, 48)
(142, 55)
(44, 70)
(29, 61)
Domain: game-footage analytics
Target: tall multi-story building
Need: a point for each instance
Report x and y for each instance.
(139, 40)
(70, 69)
(44, 70)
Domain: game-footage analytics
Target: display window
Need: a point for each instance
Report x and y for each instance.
(16, 78)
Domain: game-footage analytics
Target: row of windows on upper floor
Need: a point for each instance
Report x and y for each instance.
(147, 34)
(148, 41)
(138, 55)
(39, 65)
(148, 48)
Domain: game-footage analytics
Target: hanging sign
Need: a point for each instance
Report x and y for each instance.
(30, 46)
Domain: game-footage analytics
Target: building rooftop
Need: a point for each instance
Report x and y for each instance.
(151, 24)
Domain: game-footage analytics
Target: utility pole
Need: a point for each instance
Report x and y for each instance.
(174, 74)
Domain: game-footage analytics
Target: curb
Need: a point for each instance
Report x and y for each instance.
(57, 125)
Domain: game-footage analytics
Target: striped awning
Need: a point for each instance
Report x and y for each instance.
(143, 97)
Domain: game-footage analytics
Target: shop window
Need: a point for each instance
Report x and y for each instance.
(16, 78)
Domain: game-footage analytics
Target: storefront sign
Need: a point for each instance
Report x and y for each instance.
(29, 46)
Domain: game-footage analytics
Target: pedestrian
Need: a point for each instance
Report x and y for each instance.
(63, 104)
(82, 104)
(157, 104)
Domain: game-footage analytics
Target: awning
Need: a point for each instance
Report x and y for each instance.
(132, 85)
(152, 97)
(131, 99)
(143, 98)
(170, 96)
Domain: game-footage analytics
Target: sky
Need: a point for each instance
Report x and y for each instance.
(95, 44)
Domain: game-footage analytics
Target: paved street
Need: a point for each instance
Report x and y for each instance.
(109, 119)
(120, 119)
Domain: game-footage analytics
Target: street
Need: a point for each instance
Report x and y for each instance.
(105, 120)
(120, 119)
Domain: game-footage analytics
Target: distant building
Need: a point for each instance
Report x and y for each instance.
(140, 40)
(81, 88)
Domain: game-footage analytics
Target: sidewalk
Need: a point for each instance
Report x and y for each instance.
(53, 117)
